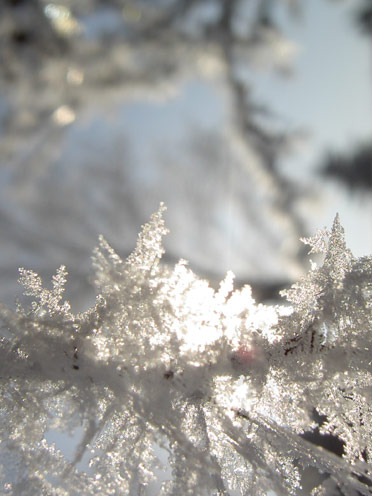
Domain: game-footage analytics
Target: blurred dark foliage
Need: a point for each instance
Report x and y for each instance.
(364, 17)
(354, 169)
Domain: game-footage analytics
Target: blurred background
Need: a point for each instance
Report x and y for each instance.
(250, 119)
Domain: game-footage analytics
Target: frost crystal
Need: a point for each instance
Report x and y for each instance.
(241, 397)
(319, 242)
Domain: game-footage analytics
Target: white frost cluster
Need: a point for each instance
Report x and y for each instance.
(235, 393)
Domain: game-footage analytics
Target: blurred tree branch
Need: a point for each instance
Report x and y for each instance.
(59, 57)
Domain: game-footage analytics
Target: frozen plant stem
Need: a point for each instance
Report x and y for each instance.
(230, 387)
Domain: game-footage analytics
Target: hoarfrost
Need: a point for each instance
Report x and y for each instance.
(234, 391)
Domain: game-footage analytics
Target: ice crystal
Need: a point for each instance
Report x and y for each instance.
(319, 242)
(240, 396)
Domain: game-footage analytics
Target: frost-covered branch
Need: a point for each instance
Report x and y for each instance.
(162, 361)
